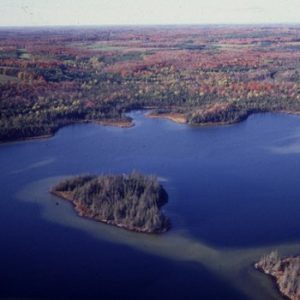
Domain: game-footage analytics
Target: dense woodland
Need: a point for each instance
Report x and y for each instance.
(50, 77)
(286, 271)
(130, 201)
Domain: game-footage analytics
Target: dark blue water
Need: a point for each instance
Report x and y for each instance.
(231, 186)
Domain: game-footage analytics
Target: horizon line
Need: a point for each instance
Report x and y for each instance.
(153, 25)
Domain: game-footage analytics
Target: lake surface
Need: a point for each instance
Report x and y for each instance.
(234, 194)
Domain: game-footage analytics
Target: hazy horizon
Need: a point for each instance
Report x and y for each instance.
(147, 25)
(151, 25)
(42, 13)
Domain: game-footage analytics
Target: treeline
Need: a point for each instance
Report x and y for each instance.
(222, 114)
(286, 272)
(31, 111)
(130, 201)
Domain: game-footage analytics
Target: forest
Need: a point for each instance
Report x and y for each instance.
(52, 77)
(286, 271)
(130, 201)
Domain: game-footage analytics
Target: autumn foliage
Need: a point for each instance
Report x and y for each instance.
(53, 77)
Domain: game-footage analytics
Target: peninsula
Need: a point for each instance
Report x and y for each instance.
(130, 201)
(286, 272)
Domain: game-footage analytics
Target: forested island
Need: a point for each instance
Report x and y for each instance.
(202, 75)
(132, 201)
(286, 272)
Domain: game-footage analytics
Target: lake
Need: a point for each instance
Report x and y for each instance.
(233, 196)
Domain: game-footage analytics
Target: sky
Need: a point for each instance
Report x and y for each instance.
(132, 12)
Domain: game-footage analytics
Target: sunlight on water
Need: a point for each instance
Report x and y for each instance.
(162, 179)
(288, 145)
(235, 266)
(287, 149)
(38, 164)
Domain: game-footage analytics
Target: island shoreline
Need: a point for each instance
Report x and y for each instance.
(274, 281)
(81, 213)
(276, 270)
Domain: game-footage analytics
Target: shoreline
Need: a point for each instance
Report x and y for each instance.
(178, 118)
(276, 276)
(82, 212)
(274, 280)
(30, 138)
(110, 123)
